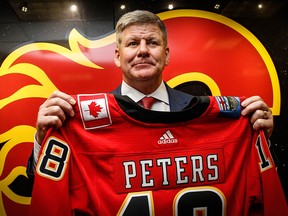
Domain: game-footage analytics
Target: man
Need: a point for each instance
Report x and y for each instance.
(107, 172)
(141, 52)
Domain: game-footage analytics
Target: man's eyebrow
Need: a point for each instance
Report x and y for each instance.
(132, 37)
(147, 38)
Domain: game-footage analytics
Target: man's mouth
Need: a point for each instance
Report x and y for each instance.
(146, 63)
(142, 63)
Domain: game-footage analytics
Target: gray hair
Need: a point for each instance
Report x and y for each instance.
(139, 17)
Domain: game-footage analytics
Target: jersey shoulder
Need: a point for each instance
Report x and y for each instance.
(229, 106)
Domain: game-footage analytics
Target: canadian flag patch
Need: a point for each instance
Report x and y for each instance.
(94, 110)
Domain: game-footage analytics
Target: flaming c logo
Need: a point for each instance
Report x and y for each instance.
(204, 46)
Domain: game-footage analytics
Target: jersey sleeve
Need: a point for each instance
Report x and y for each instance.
(49, 197)
(57, 181)
(273, 199)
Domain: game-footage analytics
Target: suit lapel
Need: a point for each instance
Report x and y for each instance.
(178, 100)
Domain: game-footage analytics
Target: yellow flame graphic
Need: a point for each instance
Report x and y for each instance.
(15, 136)
(25, 133)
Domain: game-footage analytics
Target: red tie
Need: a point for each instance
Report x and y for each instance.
(148, 102)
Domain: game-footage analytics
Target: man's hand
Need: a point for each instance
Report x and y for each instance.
(53, 112)
(261, 115)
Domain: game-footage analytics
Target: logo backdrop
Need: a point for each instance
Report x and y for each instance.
(204, 46)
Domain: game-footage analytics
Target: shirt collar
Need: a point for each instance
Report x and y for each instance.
(160, 93)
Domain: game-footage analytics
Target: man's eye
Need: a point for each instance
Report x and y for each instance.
(132, 44)
(153, 43)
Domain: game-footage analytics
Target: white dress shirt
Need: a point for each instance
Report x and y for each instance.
(161, 94)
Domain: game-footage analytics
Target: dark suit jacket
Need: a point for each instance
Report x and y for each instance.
(178, 101)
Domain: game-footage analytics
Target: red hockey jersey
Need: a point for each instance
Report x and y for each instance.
(116, 158)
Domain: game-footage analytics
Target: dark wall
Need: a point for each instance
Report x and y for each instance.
(272, 31)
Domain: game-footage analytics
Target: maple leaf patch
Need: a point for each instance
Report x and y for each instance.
(94, 109)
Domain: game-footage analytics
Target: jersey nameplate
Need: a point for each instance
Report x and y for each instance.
(159, 171)
(94, 110)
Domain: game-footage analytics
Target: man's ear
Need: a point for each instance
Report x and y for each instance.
(117, 58)
(167, 53)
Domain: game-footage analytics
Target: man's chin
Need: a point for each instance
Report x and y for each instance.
(145, 77)
(144, 74)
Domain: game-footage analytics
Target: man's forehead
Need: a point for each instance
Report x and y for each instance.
(142, 31)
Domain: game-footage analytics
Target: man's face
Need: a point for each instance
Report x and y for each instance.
(142, 54)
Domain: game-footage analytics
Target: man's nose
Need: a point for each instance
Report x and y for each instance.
(143, 49)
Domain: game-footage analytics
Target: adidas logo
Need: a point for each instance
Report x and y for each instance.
(167, 138)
